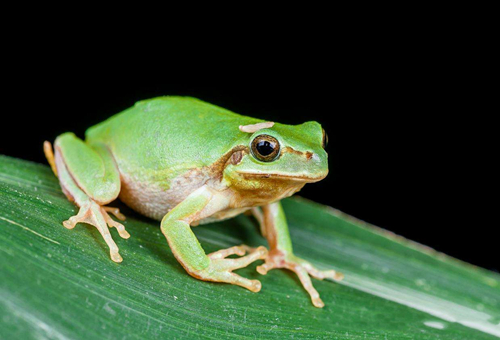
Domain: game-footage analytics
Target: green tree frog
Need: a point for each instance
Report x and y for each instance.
(185, 162)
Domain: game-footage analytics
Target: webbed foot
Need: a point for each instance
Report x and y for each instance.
(220, 268)
(96, 215)
(278, 259)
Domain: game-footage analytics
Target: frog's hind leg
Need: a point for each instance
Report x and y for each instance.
(275, 228)
(90, 178)
(49, 154)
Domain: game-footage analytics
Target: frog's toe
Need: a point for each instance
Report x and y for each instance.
(263, 269)
(220, 268)
(112, 223)
(223, 253)
(252, 285)
(115, 256)
(240, 251)
(116, 212)
(303, 269)
(93, 214)
(307, 284)
(227, 276)
(325, 274)
(71, 223)
(259, 253)
(321, 274)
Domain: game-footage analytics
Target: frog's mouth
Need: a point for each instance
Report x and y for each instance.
(285, 177)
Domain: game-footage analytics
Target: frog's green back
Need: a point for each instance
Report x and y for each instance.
(170, 134)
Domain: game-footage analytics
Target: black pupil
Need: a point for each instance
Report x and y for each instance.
(265, 148)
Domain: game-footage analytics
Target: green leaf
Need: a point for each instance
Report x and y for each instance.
(58, 283)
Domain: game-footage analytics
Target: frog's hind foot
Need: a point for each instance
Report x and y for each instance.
(303, 269)
(96, 215)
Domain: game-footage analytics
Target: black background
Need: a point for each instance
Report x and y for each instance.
(410, 147)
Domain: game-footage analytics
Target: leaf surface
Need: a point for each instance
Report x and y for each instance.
(61, 284)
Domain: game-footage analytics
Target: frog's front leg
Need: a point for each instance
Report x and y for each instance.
(188, 251)
(89, 177)
(275, 228)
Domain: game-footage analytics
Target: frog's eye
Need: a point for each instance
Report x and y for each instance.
(324, 142)
(265, 148)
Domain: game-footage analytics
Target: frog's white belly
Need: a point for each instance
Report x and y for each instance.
(151, 200)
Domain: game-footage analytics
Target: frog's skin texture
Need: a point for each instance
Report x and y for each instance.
(184, 162)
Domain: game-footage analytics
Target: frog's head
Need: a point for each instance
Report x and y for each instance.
(279, 157)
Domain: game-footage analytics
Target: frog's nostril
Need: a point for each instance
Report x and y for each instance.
(315, 157)
(309, 155)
